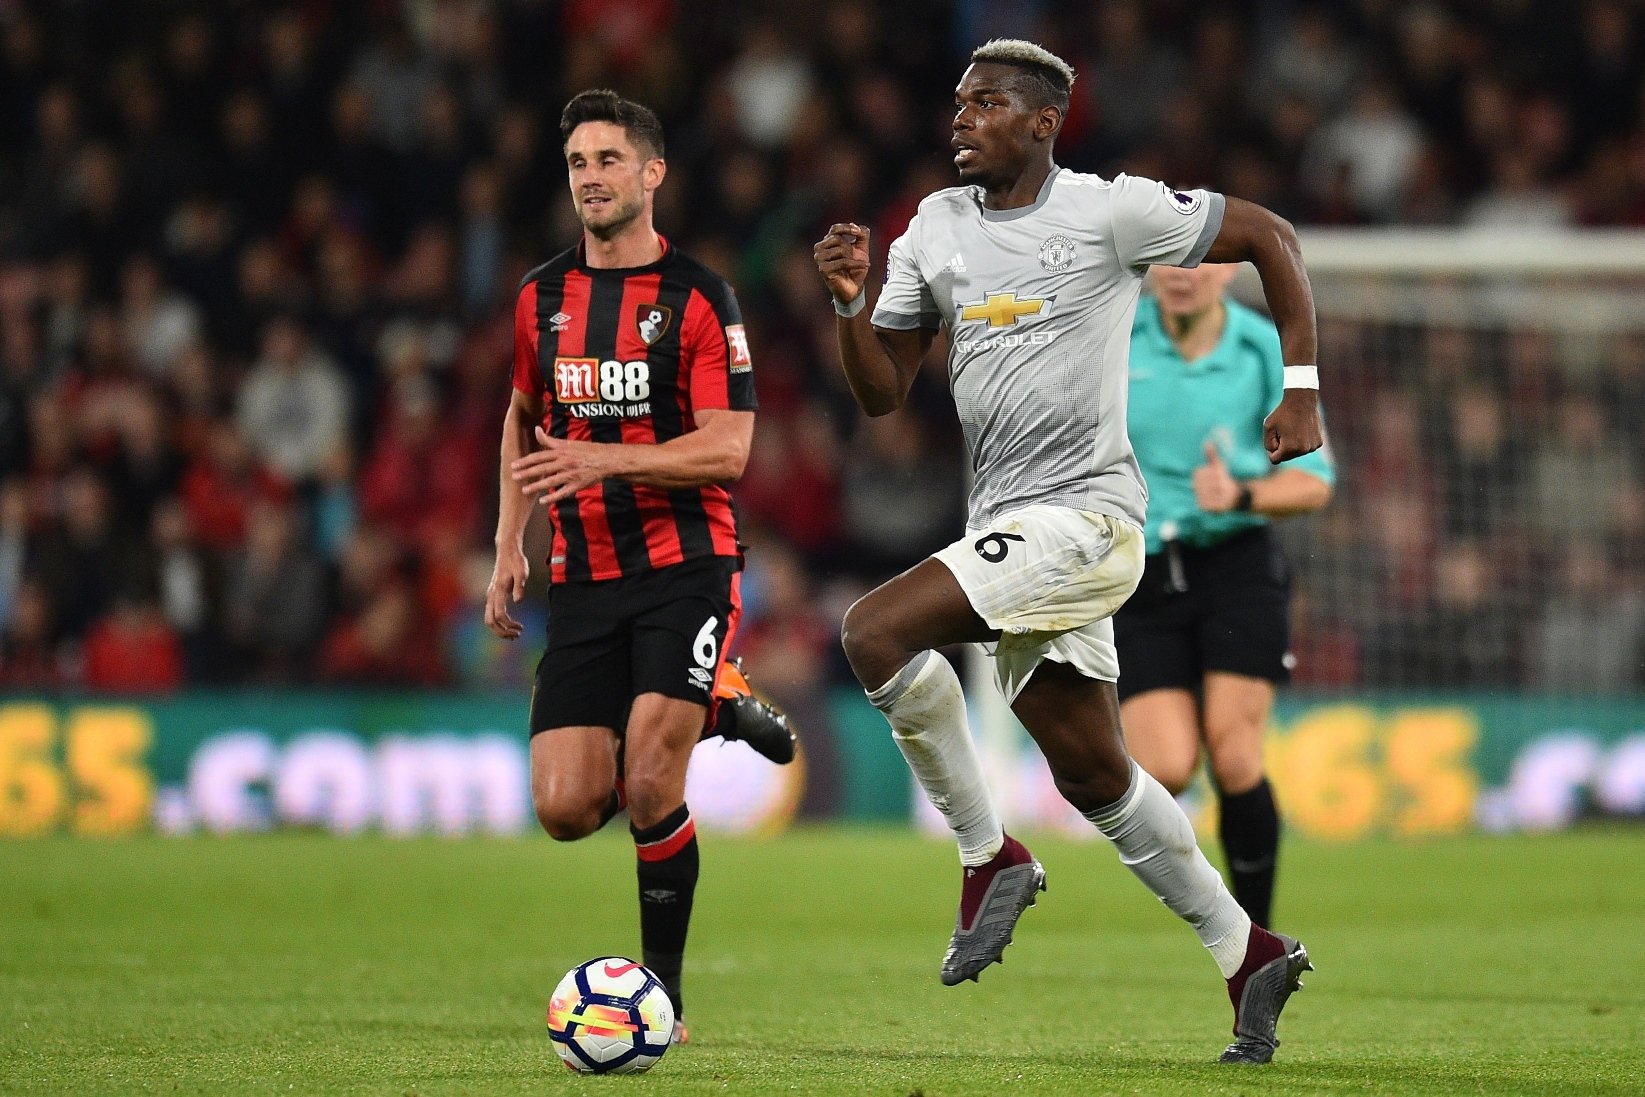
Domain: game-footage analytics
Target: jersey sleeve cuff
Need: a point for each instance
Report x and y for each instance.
(1215, 206)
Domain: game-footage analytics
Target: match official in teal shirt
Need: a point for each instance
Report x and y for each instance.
(1205, 640)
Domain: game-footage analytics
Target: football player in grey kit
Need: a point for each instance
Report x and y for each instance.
(1035, 272)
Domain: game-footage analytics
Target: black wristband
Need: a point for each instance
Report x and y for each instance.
(1243, 503)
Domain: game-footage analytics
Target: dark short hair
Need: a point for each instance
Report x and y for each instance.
(605, 105)
(1045, 78)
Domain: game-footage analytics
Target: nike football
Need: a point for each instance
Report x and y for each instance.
(610, 1016)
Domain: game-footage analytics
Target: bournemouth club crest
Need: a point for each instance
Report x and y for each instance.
(653, 321)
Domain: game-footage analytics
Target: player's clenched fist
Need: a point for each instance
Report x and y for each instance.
(1293, 428)
(842, 257)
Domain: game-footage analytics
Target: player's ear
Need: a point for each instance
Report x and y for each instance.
(652, 175)
(1047, 122)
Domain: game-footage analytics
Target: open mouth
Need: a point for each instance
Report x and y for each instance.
(595, 201)
(963, 152)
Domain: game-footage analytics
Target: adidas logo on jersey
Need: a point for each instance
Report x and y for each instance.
(558, 321)
(956, 265)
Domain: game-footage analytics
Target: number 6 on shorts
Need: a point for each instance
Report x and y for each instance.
(997, 545)
(706, 647)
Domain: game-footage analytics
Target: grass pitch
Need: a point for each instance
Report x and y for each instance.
(303, 964)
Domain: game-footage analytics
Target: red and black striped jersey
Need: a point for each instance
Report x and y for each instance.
(631, 355)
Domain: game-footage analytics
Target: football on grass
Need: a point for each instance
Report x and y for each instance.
(610, 1016)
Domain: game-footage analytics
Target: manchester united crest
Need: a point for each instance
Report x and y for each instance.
(1057, 253)
(653, 321)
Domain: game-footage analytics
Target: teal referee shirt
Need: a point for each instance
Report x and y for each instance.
(1177, 406)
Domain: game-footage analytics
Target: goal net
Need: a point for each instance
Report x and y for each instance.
(1484, 396)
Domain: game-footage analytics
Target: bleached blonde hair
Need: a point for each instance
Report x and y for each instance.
(1054, 76)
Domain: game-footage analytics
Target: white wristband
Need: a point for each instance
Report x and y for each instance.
(857, 304)
(1302, 377)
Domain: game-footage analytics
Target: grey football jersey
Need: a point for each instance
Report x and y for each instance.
(1038, 303)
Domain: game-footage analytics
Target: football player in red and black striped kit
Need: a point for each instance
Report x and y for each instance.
(633, 407)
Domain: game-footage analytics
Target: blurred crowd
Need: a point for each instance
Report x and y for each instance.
(1490, 513)
(257, 262)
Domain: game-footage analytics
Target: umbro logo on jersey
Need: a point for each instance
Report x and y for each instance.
(956, 265)
(558, 321)
(1001, 310)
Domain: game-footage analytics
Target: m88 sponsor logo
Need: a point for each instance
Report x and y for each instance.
(588, 387)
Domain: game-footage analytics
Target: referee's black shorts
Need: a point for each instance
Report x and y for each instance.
(663, 631)
(1234, 616)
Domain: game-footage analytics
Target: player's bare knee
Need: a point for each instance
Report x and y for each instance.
(567, 822)
(1234, 750)
(1236, 772)
(857, 626)
(873, 655)
(1173, 769)
(1176, 779)
(651, 799)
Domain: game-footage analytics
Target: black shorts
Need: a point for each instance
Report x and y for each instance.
(1234, 616)
(662, 631)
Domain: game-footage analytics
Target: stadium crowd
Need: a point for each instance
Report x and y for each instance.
(257, 263)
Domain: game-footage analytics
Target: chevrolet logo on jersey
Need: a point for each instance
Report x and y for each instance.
(1002, 309)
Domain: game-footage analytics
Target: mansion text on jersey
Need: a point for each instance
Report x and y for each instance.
(603, 411)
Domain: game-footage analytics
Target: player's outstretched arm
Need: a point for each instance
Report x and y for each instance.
(880, 364)
(1253, 234)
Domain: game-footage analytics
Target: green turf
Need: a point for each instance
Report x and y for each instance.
(301, 964)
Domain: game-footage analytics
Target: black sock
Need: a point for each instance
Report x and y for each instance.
(667, 864)
(1250, 841)
(725, 719)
